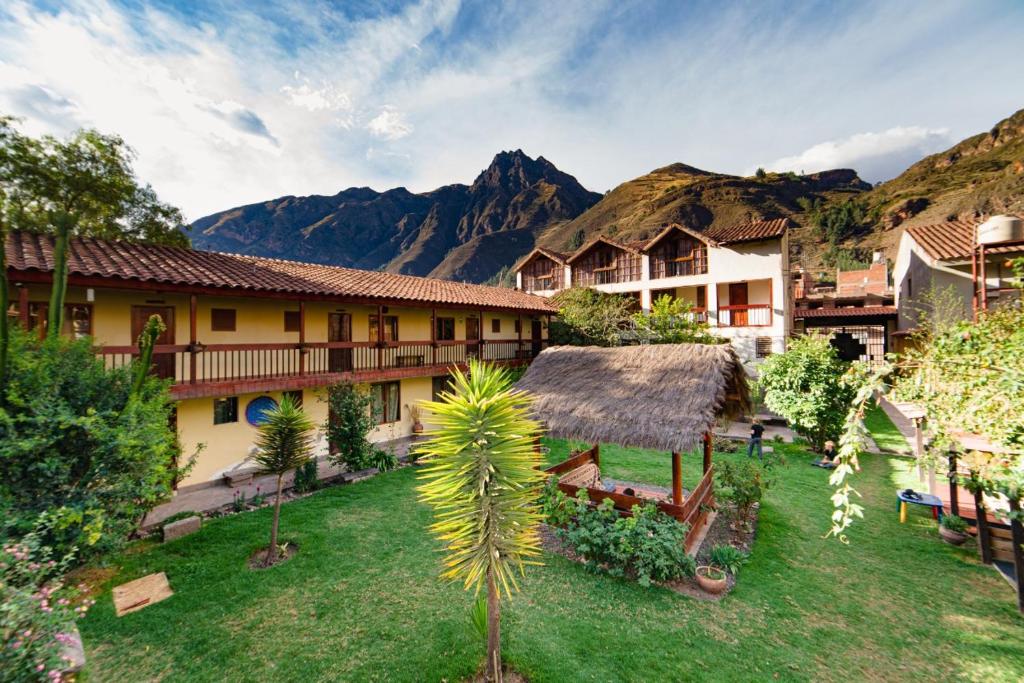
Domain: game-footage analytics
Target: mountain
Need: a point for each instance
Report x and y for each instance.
(457, 232)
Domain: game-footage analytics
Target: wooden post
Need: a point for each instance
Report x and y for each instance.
(981, 522)
(302, 338)
(22, 307)
(380, 337)
(193, 305)
(519, 347)
(954, 503)
(1017, 535)
(433, 336)
(480, 345)
(597, 454)
(707, 451)
(677, 478)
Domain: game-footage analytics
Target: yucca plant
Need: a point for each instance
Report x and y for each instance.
(481, 477)
(284, 444)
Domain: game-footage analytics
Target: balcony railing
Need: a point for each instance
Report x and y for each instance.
(210, 363)
(745, 315)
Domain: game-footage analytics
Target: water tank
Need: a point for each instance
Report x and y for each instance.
(1001, 229)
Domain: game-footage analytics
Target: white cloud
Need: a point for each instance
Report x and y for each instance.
(389, 125)
(877, 156)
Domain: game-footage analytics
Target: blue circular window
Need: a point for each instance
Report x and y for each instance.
(254, 412)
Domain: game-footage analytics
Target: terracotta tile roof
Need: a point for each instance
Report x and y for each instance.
(952, 240)
(843, 312)
(748, 232)
(632, 247)
(556, 256)
(186, 267)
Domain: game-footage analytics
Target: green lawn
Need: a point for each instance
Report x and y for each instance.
(361, 600)
(884, 432)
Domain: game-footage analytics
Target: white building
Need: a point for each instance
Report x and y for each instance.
(734, 277)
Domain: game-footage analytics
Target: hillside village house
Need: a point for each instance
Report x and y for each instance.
(242, 331)
(944, 257)
(734, 277)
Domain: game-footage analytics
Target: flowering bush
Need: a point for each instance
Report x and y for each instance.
(37, 611)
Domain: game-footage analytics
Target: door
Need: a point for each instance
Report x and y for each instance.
(472, 335)
(535, 337)
(339, 329)
(738, 297)
(163, 363)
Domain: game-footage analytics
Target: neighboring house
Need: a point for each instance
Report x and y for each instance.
(734, 277)
(857, 309)
(938, 258)
(243, 330)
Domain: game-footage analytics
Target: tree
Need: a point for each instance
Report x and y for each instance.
(576, 241)
(759, 173)
(84, 185)
(348, 423)
(587, 317)
(671, 321)
(285, 443)
(806, 385)
(482, 479)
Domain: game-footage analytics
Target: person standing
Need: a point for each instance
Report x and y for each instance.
(756, 433)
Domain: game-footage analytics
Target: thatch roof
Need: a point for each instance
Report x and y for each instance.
(663, 396)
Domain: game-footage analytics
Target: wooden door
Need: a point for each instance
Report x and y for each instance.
(738, 297)
(163, 363)
(472, 335)
(339, 329)
(536, 337)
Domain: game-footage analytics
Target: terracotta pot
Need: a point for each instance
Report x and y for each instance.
(417, 427)
(709, 584)
(952, 537)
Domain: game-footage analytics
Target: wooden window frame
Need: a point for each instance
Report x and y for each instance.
(292, 321)
(230, 400)
(382, 419)
(219, 320)
(439, 323)
(391, 321)
(42, 316)
(495, 325)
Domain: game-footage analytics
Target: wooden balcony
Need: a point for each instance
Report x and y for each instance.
(222, 369)
(745, 315)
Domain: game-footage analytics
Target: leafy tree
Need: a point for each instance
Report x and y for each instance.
(671, 321)
(760, 174)
(806, 385)
(284, 444)
(483, 480)
(576, 241)
(836, 222)
(83, 185)
(348, 424)
(587, 317)
(78, 445)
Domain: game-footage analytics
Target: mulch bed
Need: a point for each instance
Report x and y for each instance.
(258, 560)
(720, 533)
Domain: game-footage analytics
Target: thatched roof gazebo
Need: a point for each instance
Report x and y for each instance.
(662, 396)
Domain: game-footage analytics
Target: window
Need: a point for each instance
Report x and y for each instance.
(222, 319)
(225, 410)
(495, 325)
(385, 404)
(295, 396)
(519, 326)
(445, 329)
(292, 321)
(390, 328)
(763, 347)
(438, 385)
(77, 318)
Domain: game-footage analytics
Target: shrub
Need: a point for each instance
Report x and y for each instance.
(743, 483)
(728, 558)
(37, 610)
(806, 385)
(558, 509)
(955, 523)
(383, 460)
(306, 477)
(723, 444)
(76, 444)
(587, 317)
(648, 545)
(670, 322)
(347, 426)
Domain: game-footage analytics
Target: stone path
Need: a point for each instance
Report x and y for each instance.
(741, 431)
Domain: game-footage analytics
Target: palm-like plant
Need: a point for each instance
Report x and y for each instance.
(284, 444)
(481, 478)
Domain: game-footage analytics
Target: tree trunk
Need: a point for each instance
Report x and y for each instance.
(272, 550)
(493, 671)
(5, 331)
(55, 313)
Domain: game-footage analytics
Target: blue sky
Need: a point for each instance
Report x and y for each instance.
(235, 102)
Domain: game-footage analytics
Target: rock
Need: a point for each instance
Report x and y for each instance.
(183, 527)
(72, 650)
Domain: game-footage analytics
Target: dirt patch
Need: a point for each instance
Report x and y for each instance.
(91, 579)
(507, 676)
(258, 560)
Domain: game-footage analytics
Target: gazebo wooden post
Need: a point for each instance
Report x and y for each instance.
(981, 522)
(707, 451)
(597, 454)
(954, 503)
(1017, 534)
(677, 478)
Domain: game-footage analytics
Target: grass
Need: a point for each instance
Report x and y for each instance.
(361, 600)
(884, 432)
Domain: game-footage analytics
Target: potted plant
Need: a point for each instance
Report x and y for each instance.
(953, 529)
(415, 413)
(712, 579)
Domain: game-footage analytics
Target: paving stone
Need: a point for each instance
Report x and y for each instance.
(183, 527)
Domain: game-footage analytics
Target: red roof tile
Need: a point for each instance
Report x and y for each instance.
(843, 312)
(188, 267)
(748, 232)
(952, 240)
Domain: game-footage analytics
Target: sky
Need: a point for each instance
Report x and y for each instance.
(234, 102)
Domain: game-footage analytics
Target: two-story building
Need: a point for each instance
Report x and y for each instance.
(734, 277)
(242, 331)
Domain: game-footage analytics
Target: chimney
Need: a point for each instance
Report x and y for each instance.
(877, 256)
